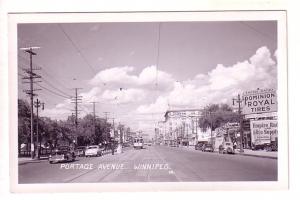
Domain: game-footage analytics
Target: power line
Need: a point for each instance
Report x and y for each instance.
(77, 49)
(65, 94)
(43, 70)
(57, 94)
(157, 56)
(257, 31)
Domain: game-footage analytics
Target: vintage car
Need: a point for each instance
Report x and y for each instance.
(207, 148)
(62, 154)
(93, 150)
(200, 144)
(80, 151)
(226, 147)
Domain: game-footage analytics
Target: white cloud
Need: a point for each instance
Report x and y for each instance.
(91, 95)
(60, 111)
(160, 105)
(219, 85)
(114, 75)
(146, 79)
(124, 96)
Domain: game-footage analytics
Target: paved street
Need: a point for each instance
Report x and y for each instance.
(152, 164)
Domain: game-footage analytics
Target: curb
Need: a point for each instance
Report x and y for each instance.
(24, 162)
(259, 156)
(242, 154)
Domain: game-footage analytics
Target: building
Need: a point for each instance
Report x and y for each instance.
(181, 126)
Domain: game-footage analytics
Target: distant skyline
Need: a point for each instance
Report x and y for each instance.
(118, 65)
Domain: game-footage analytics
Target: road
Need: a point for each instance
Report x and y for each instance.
(152, 164)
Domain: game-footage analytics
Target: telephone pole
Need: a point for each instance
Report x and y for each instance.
(37, 105)
(32, 76)
(94, 115)
(106, 135)
(240, 101)
(76, 100)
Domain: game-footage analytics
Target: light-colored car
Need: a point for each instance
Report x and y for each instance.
(93, 150)
(226, 147)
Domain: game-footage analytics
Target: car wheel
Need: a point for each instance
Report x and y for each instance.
(50, 162)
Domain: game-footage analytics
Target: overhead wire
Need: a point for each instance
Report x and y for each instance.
(51, 91)
(257, 31)
(76, 48)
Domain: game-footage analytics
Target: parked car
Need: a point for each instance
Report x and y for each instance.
(62, 154)
(93, 150)
(258, 146)
(207, 148)
(80, 151)
(226, 147)
(199, 145)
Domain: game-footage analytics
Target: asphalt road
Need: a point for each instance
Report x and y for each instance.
(152, 164)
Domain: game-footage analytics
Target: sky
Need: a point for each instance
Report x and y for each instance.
(137, 71)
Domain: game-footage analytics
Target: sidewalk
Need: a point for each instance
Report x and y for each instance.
(258, 153)
(25, 160)
(247, 152)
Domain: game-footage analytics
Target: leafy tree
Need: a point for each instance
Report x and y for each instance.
(23, 123)
(216, 115)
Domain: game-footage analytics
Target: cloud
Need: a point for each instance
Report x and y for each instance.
(60, 111)
(160, 105)
(122, 76)
(115, 75)
(124, 96)
(91, 95)
(219, 85)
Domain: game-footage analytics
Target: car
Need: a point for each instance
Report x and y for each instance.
(62, 154)
(80, 151)
(207, 148)
(199, 145)
(226, 147)
(93, 150)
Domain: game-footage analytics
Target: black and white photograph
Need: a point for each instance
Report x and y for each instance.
(153, 101)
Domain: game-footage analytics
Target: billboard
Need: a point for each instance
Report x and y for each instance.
(259, 101)
(263, 131)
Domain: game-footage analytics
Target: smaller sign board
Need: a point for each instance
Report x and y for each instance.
(263, 131)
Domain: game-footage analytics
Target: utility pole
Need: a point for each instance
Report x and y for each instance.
(240, 101)
(211, 127)
(37, 105)
(76, 100)
(106, 135)
(32, 76)
(94, 115)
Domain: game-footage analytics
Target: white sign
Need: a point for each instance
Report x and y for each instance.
(259, 101)
(263, 131)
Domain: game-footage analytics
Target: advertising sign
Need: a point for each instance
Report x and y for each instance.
(259, 101)
(263, 131)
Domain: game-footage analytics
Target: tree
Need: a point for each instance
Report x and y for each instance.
(23, 123)
(216, 115)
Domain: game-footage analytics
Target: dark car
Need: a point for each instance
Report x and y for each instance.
(62, 154)
(199, 145)
(80, 151)
(207, 148)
